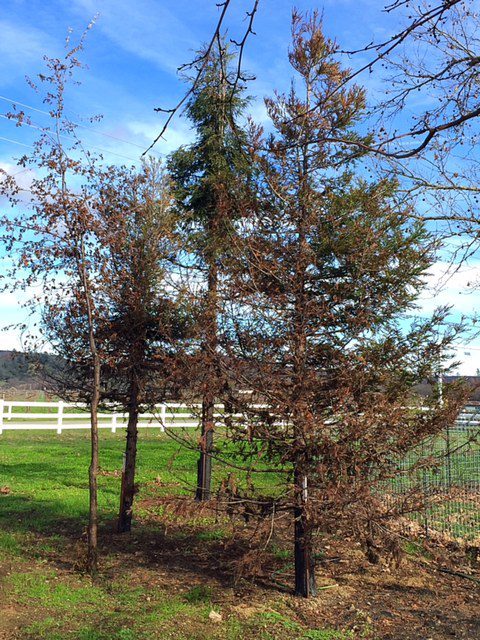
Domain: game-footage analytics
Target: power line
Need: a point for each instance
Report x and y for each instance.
(77, 124)
(62, 135)
(29, 146)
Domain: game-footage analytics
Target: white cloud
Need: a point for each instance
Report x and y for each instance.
(178, 133)
(458, 287)
(258, 111)
(145, 28)
(20, 47)
(10, 340)
(468, 356)
(12, 313)
(23, 177)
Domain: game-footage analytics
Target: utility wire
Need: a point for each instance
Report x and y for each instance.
(77, 124)
(62, 135)
(29, 146)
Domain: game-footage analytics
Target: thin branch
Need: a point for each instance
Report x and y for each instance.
(241, 49)
(203, 61)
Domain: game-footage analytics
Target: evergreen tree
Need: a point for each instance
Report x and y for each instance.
(141, 324)
(209, 178)
(328, 274)
(146, 324)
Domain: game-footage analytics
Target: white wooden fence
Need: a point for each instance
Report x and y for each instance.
(22, 415)
(18, 415)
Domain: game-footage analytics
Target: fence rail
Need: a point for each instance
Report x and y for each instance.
(58, 416)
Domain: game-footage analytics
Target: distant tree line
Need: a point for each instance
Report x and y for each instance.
(18, 369)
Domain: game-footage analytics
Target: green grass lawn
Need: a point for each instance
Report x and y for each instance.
(48, 474)
(138, 596)
(43, 512)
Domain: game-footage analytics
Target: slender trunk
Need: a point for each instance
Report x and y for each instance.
(128, 474)
(78, 234)
(204, 469)
(305, 584)
(92, 531)
(204, 472)
(92, 553)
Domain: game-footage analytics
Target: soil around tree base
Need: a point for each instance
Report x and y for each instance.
(183, 555)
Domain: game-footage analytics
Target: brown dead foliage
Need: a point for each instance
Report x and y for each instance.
(199, 544)
(189, 545)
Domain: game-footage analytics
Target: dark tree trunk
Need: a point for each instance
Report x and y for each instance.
(305, 584)
(92, 551)
(204, 475)
(304, 560)
(128, 474)
(204, 469)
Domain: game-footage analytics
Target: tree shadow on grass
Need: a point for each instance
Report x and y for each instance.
(34, 499)
(26, 470)
(20, 514)
(188, 555)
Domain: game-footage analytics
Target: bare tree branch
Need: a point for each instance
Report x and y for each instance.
(201, 62)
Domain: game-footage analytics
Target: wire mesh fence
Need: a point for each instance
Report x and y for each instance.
(443, 478)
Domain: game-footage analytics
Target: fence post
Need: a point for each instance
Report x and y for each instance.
(426, 504)
(449, 460)
(114, 423)
(2, 404)
(9, 411)
(163, 411)
(60, 417)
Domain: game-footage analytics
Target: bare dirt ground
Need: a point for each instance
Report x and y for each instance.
(419, 600)
(434, 593)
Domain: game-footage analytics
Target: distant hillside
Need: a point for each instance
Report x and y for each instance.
(23, 371)
(27, 372)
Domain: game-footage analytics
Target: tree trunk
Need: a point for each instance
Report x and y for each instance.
(304, 561)
(305, 584)
(92, 552)
(204, 469)
(204, 472)
(128, 475)
(92, 530)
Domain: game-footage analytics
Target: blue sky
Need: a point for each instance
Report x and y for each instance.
(132, 54)
(135, 48)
